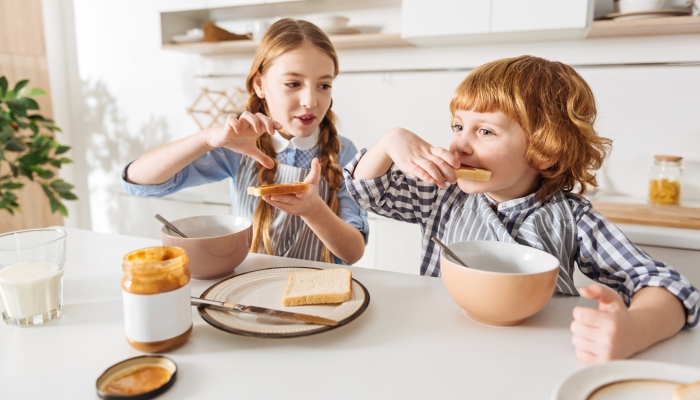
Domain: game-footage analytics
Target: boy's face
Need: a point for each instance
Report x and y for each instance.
(497, 143)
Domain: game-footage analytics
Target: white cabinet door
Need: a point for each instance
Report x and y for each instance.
(231, 3)
(435, 18)
(539, 15)
(398, 246)
(179, 5)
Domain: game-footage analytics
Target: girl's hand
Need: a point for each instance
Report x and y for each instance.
(415, 156)
(301, 204)
(607, 333)
(240, 135)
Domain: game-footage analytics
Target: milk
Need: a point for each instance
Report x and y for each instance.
(30, 289)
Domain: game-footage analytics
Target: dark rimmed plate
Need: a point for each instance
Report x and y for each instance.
(264, 288)
(132, 364)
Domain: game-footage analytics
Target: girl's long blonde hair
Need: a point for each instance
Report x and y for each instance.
(283, 36)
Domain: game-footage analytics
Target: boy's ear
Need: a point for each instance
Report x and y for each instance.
(257, 85)
(548, 163)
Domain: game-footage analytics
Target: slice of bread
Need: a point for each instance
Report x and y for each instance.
(318, 287)
(475, 174)
(278, 188)
(690, 391)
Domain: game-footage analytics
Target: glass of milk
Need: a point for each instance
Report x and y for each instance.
(31, 275)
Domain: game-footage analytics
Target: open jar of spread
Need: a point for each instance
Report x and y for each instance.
(156, 293)
(665, 180)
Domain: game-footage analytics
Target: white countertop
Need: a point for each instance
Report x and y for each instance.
(413, 342)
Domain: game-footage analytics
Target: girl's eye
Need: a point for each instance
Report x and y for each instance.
(485, 132)
(292, 84)
(325, 86)
(457, 128)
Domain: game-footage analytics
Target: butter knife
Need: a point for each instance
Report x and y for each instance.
(297, 317)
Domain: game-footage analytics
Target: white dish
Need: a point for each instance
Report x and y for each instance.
(625, 379)
(264, 288)
(646, 14)
(347, 30)
(328, 21)
(186, 39)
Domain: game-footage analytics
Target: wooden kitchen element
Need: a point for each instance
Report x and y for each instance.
(23, 56)
(340, 42)
(645, 27)
(650, 214)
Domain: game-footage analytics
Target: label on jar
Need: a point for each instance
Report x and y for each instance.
(155, 317)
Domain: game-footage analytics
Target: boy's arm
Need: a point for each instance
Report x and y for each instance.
(660, 300)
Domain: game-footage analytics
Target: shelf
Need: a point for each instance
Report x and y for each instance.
(650, 214)
(341, 42)
(645, 27)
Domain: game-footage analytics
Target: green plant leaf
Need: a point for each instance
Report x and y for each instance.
(5, 133)
(68, 196)
(66, 160)
(20, 85)
(62, 210)
(46, 190)
(37, 92)
(62, 149)
(17, 107)
(55, 163)
(29, 104)
(15, 145)
(54, 204)
(3, 86)
(45, 174)
(61, 186)
(14, 170)
(30, 159)
(11, 185)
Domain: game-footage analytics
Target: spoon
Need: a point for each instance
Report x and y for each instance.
(448, 251)
(169, 225)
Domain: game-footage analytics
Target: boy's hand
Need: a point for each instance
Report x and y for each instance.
(240, 135)
(304, 203)
(607, 333)
(415, 156)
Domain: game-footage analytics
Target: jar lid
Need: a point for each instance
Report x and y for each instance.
(668, 158)
(137, 378)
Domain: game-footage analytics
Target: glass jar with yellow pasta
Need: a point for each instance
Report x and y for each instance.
(665, 180)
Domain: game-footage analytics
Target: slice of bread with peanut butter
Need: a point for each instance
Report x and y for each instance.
(324, 286)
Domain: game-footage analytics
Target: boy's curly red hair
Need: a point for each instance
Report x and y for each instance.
(553, 105)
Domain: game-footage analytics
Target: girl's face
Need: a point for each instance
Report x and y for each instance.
(494, 142)
(297, 89)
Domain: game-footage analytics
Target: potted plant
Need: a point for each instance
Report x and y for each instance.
(28, 149)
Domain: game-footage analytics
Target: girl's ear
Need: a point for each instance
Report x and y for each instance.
(257, 85)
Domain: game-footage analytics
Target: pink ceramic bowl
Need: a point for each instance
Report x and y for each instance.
(215, 244)
(505, 284)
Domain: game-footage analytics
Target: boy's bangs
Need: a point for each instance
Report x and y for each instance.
(478, 93)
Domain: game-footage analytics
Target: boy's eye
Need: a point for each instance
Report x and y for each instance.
(457, 128)
(485, 132)
(292, 84)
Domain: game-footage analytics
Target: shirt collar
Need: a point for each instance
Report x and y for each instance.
(301, 143)
(522, 203)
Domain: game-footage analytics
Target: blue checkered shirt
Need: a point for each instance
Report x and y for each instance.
(565, 226)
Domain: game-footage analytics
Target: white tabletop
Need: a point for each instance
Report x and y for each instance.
(413, 342)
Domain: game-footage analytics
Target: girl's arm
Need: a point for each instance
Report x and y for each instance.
(342, 239)
(239, 135)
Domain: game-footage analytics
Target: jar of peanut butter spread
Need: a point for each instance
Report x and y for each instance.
(156, 293)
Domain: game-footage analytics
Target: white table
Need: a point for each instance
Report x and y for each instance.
(413, 342)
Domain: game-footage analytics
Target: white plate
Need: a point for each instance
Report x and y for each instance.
(264, 288)
(625, 379)
(186, 39)
(345, 30)
(646, 14)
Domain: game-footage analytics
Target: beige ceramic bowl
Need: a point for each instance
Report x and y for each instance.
(215, 244)
(505, 284)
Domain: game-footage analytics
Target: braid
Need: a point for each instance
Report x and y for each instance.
(262, 216)
(329, 147)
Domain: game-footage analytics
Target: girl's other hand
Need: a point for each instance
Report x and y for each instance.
(415, 156)
(607, 333)
(304, 203)
(240, 135)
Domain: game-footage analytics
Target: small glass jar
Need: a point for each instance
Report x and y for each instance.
(156, 293)
(665, 180)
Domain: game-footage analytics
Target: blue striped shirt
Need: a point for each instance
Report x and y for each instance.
(565, 226)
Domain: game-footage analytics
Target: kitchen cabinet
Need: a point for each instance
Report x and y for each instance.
(540, 15)
(444, 18)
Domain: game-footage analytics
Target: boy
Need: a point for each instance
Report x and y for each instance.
(530, 122)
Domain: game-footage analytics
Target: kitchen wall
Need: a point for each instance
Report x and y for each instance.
(122, 95)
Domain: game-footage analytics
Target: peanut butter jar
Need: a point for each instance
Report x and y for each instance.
(156, 293)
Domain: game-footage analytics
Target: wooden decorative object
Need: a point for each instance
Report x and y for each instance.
(213, 33)
(211, 108)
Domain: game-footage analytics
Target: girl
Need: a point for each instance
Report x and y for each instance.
(290, 93)
(530, 122)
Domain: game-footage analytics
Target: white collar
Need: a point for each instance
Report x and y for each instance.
(301, 143)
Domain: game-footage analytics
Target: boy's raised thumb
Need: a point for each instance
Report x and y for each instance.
(601, 294)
